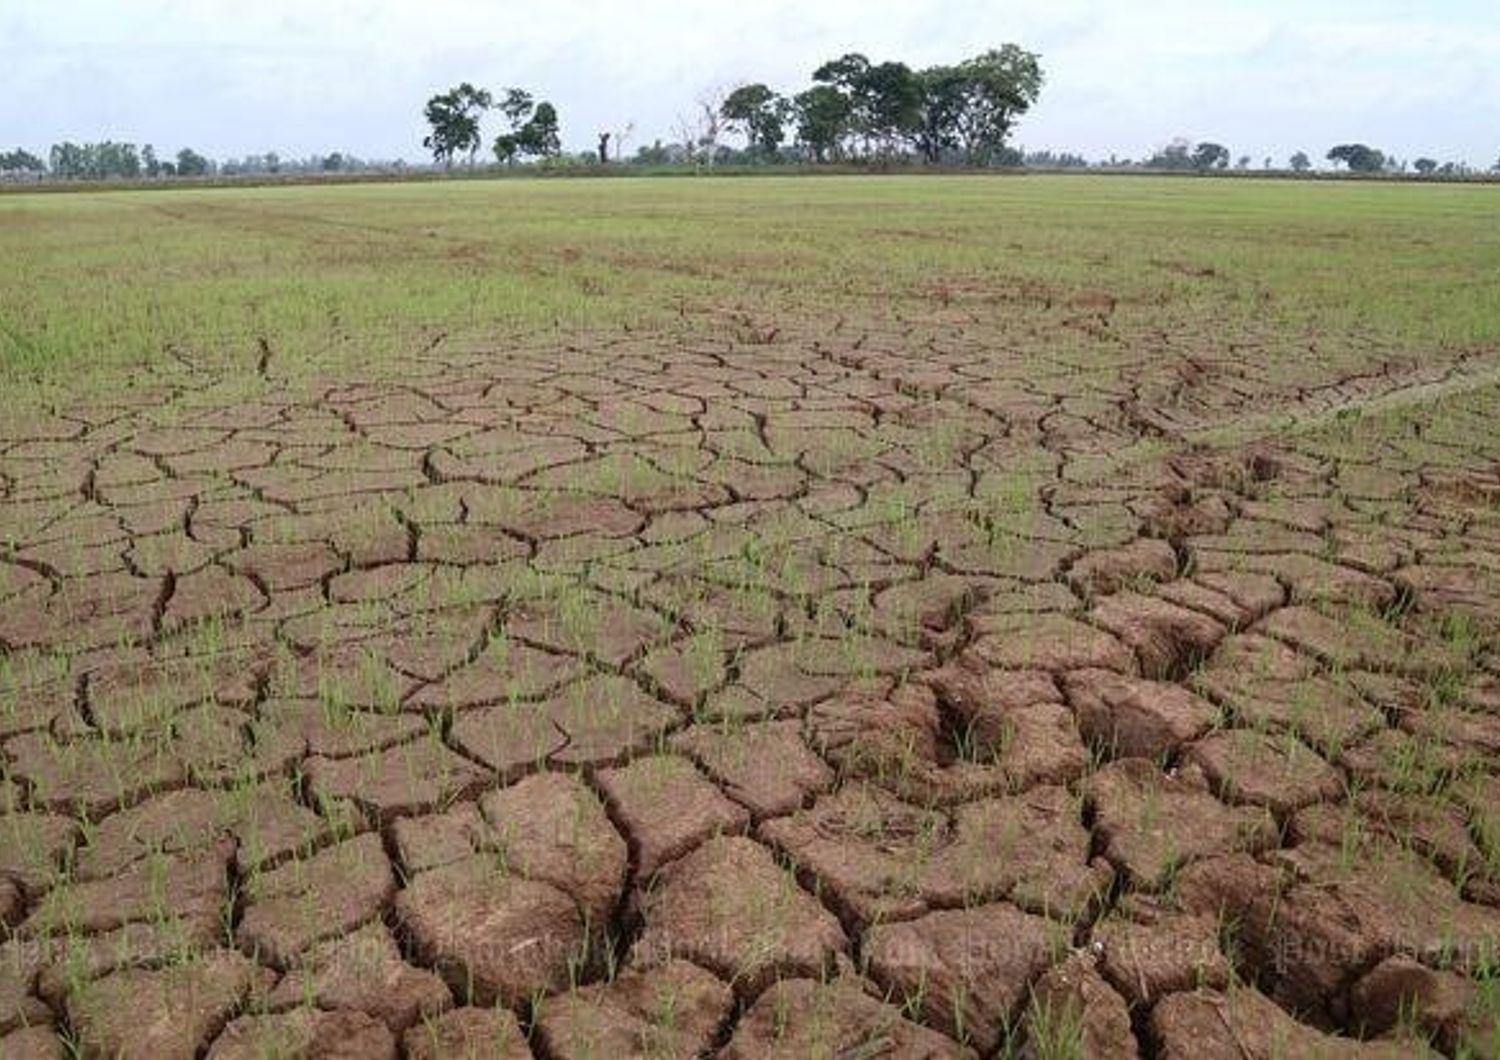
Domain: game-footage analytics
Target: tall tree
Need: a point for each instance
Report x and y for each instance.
(1210, 155)
(21, 161)
(883, 101)
(517, 106)
(822, 114)
(945, 96)
(541, 136)
(454, 117)
(1360, 158)
(191, 164)
(888, 102)
(1300, 162)
(1003, 84)
(1425, 166)
(845, 76)
(759, 114)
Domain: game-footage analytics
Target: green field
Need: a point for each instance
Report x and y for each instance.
(115, 279)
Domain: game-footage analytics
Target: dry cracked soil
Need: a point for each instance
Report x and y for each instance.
(796, 696)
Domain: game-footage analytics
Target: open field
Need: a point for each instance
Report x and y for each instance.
(839, 618)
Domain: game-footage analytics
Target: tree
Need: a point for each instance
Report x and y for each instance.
(1176, 155)
(842, 76)
(701, 129)
(1360, 158)
(191, 164)
(454, 117)
(945, 96)
(1300, 162)
(1210, 155)
(888, 105)
(822, 121)
(759, 114)
(1003, 84)
(1425, 166)
(96, 161)
(517, 106)
(1243, 163)
(21, 161)
(658, 154)
(150, 162)
(541, 136)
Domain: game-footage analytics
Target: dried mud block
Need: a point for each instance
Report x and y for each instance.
(808, 1018)
(967, 971)
(674, 1009)
(363, 971)
(1278, 772)
(1153, 823)
(766, 767)
(1129, 717)
(305, 1034)
(1244, 1023)
(1047, 642)
(495, 937)
(667, 808)
(1167, 639)
(1150, 949)
(172, 1013)
(306, 901)
(1072, 1006)
(467, 1034)
(729, 907)
(552, 828)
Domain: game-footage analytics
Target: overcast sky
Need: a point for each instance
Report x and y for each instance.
(230, 77)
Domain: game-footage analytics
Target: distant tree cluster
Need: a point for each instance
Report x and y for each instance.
(1184, 155)
(124, 161)
(860, 109)
(456, 120)
(109, 160)
(21, 163)
(855, 109)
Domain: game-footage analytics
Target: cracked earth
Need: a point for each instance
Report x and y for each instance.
(799, 695)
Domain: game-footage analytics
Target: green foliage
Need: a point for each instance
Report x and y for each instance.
(1003, 85)
(1300, 163)
(454, 117)
(1210, 155)
(533, 128)
(21, 161)
(823, 115)
(101, 161)
(966, 111)
(1360, 158)
(760, 114)
(191, 164)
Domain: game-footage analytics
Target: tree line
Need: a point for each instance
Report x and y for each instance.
(855, 108)
(1207, 156)
(110, 160)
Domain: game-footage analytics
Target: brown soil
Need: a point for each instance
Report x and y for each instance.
(841, 695)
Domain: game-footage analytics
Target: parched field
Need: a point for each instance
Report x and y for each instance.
(844, 618)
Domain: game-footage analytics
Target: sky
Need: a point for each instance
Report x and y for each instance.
(233, 77)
